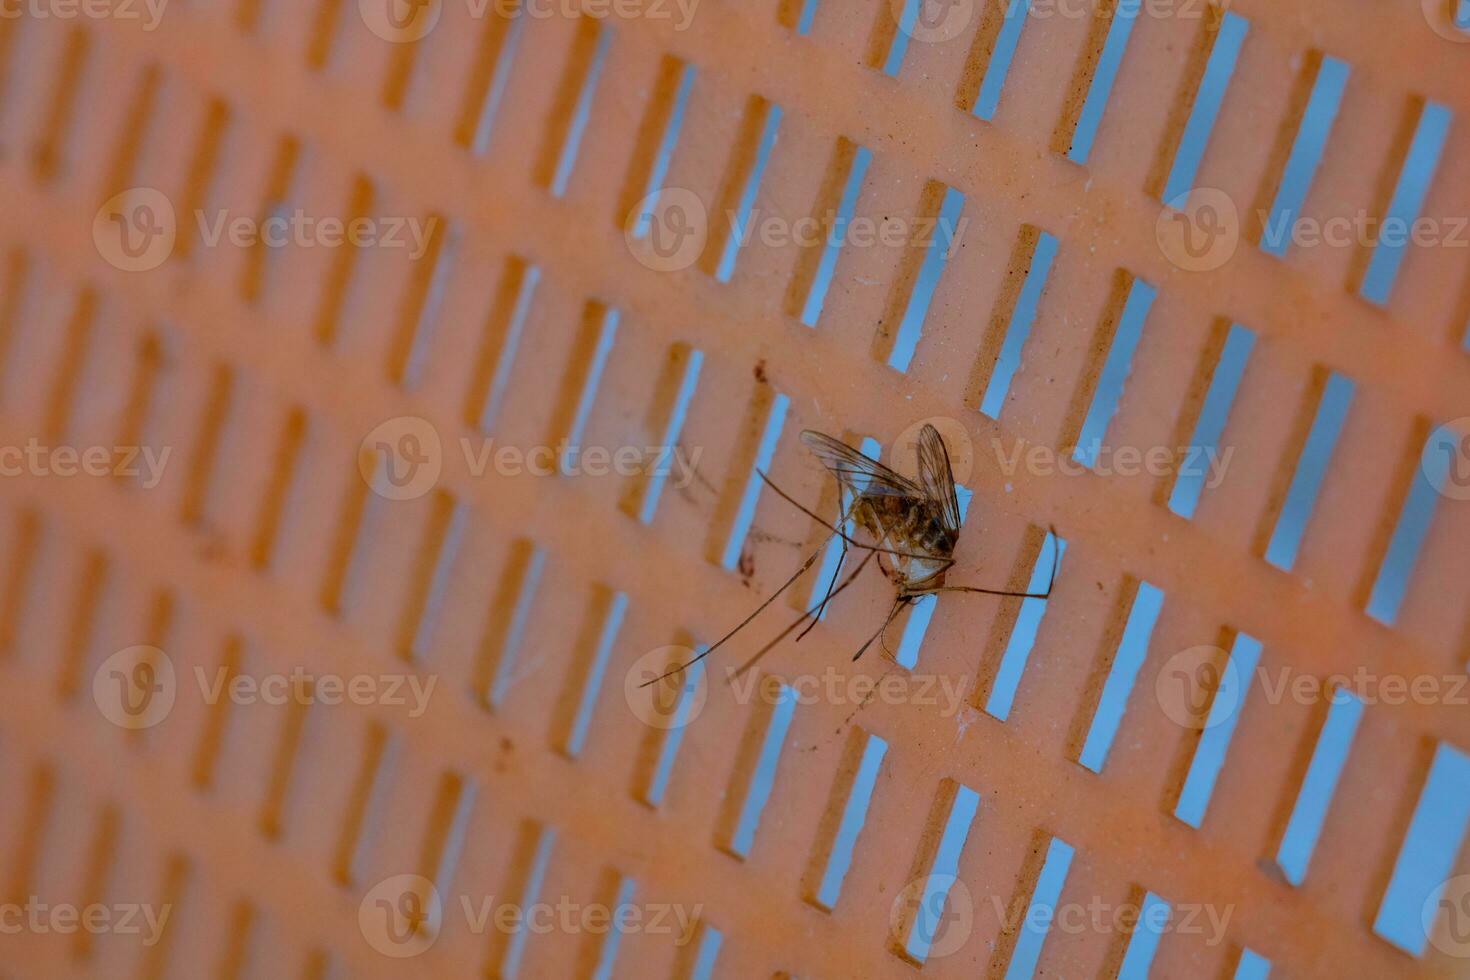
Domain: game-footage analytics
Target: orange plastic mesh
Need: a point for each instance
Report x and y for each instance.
(273, 373)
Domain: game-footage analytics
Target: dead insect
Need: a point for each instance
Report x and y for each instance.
(914, 527)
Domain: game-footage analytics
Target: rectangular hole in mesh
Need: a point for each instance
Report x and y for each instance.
(48, 157)
(1023, 634)
(1306, 152)
(176, 880)
(239, 930)
(835, 206)
(1143, 942)
(733, 222)
(600, 953)
(588, 358)
(1148, 600)
(1311, 468)
(672, 703)
(281, 479)
(1226, 690)
(1076, 139)
(923, 919)
(426, 587)
(346, 552)
(573, 107)
(339, 277)
(1196, 472)
(532, 857)
(71, 366)
(756, 765)
(38, 815)
(673, 392)
(1422, 896)
(203, 169)
(503, 331)
(1034, 253)
(1040, 910)
(1007, 39)
(654, 145)
(488, 80)
(1334, 740)
(1207, 101)
(594, 647)
(149, 363)
(132, 137)
(431, 262)
(497, 667)
(829, 567)
(766, 418)
(1108, 390)
(292, 721)
(101, 857)
(323, 33)
(19, 578)
(444, 834)
(922, 611)
(273, 204)
(368, 787)
(936, 236)
(1428, 469)
(798, 15)
(1252, 966)
(205, 453)
(217, 717)
(889, 39)
(698, 958)
(847, 810)
(1415, 176)
(93, 580)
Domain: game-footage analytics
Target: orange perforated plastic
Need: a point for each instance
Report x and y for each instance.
(322, 625)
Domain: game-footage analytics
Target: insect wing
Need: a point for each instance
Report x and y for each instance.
(859, 473)
(937, 478)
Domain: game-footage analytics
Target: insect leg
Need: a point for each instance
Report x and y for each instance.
(1055, 557)
(805, 616)
(744, 622)
(898, 604)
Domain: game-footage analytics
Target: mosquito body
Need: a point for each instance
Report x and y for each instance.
(913, 525)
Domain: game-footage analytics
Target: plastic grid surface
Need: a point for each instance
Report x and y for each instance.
(261, 548)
